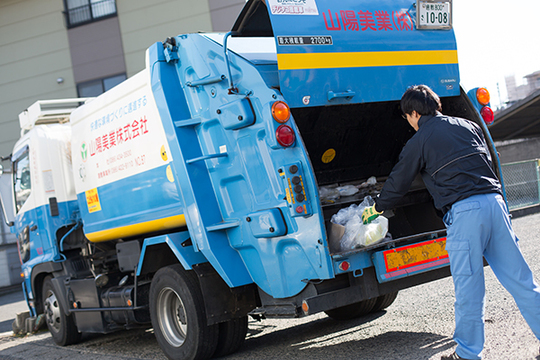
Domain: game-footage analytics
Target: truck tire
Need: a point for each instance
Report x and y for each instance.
(62, 328)
(384, 301)
(232, 335)
(352, 311)
(178, 315)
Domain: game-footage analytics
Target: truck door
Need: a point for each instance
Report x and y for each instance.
(26, 222)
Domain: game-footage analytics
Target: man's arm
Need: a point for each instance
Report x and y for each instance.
(398, 183)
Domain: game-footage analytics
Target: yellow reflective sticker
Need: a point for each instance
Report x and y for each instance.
(336, 60)
(92, 200)
(170, 175)
(328, 156)
(163, 153)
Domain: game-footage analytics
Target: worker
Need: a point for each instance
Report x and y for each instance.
(454, 161)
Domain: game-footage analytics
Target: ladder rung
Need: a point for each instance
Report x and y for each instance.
(206, 157)
(187, 122)
(206, 81)
(223, 225)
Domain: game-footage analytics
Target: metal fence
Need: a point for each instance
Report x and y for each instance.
(522, 183)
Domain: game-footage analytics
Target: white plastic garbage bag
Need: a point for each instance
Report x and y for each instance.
(371, 181)
(356, 233)
(347, 190)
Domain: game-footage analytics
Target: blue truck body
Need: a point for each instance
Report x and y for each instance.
(231, 205)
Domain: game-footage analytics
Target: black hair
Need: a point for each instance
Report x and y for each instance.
(422, 99)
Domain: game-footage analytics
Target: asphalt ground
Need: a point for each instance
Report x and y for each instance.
(419, 325)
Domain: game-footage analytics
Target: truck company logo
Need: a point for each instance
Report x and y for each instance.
(84, 151)
(367, 20)
(107, 140)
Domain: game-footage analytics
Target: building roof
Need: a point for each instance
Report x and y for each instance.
(518, 121)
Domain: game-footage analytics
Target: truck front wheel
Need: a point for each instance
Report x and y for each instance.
(62, 327)
(178, 315)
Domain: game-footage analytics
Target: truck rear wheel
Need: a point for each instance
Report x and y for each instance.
(352, 311)
(62, 327)
(384, 301)
(232, 335)
(178, 315)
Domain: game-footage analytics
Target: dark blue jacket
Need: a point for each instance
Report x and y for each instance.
(451, 155)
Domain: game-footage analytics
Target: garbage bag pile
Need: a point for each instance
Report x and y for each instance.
(329, 194)
(357, 234)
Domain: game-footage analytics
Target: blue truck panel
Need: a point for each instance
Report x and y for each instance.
(246, 180)
(337, 55)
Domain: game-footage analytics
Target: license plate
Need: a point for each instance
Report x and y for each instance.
(434, 14)
(415, 255)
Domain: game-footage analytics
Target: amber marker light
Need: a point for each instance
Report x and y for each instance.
(482, 95)
(305, 307)
(281, 112)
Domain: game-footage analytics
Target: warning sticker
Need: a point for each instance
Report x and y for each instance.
(328, 156)
(293, 7)
(92, 200)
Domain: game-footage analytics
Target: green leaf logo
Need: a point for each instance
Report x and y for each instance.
(84, 152)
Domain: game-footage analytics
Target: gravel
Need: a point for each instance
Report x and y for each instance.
(419, 325)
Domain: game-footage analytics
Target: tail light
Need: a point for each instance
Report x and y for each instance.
(482, 95)
(483, 98)
(285, 135)
(281, 112)
(487, 115)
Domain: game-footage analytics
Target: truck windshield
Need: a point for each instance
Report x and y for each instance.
(21, 180)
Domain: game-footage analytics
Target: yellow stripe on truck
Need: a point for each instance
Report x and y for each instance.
(146, 227)
(365, 59)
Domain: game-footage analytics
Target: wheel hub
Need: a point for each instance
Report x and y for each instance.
(172, 316)
(52, 312)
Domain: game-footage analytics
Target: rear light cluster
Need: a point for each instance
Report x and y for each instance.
(482, 96)
(284, 133)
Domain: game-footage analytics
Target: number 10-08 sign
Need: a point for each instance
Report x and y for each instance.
(433, 14)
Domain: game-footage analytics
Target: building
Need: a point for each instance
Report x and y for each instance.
(518, 92)
(53, 49)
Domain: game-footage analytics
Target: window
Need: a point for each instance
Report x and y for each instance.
(21, 179)
(96, 87)
(80, 12)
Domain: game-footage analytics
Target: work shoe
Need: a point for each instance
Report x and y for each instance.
(453, 356)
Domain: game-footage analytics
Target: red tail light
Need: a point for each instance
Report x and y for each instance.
(487, 115)
(285, 135)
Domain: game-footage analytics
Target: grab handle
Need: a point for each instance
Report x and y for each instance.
(343, 95)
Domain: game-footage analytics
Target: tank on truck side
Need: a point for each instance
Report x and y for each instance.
(190, 198)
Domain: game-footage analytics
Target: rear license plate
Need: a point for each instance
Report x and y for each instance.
(411, 259)
(434, 14)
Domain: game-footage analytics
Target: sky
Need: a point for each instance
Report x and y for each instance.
(496, 38)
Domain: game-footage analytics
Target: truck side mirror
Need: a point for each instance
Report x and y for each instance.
(3, 191)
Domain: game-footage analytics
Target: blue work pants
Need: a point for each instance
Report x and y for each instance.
(478, 227)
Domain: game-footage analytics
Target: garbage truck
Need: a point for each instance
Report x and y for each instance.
(187, 198)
